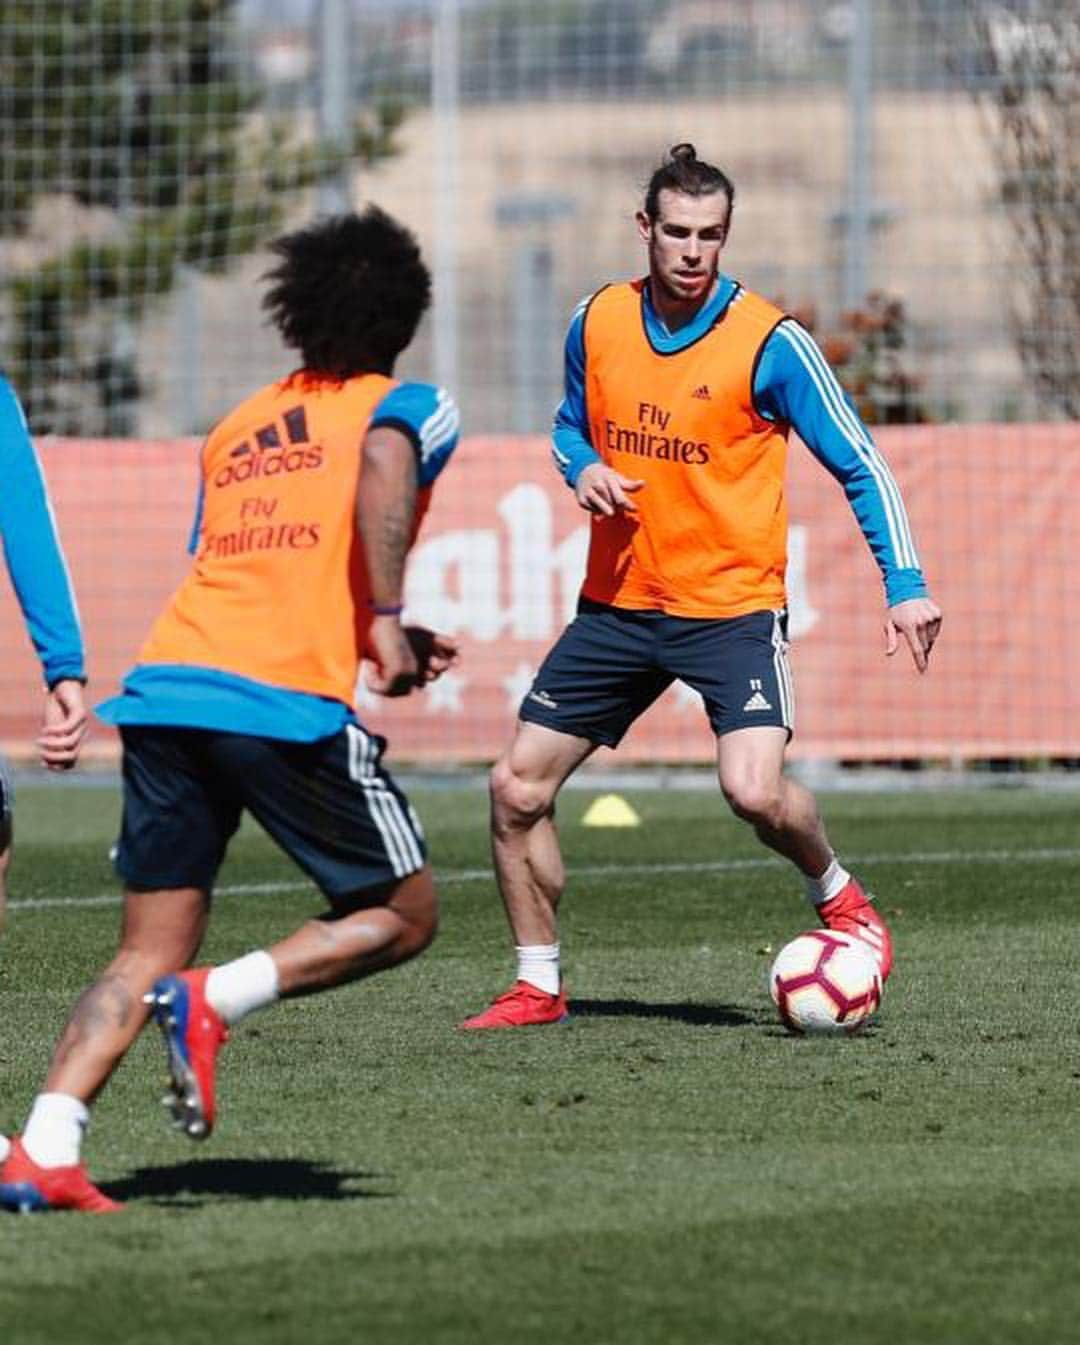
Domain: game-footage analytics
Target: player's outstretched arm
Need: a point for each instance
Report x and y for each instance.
(600, 489)
(63, 726)
(918, 620)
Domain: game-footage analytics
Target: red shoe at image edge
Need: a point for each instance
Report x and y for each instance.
(28, 1188)
(850, 912)
(523, 1005)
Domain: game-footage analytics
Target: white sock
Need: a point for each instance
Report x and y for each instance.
(833, 880)
(538, 963)
(54, 1130)
(239, 987)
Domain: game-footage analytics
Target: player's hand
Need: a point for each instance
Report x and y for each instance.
(64, 725)
(396, 670)
(918, 620)
(602, 490)
(435, 653)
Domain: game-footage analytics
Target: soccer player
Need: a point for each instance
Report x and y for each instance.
(242, 696)
(42, 586)
(681, 389)
(39, 575)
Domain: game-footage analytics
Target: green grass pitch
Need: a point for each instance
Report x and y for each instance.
(668, 1168)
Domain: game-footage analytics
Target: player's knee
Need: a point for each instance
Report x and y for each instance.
(516, 802)
(140, 967)
(753, 799)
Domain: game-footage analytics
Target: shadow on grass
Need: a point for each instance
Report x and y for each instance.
(181, 1185)
(706, 1015)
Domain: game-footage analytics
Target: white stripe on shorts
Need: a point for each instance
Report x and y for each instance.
(783, 672)
(384, 807)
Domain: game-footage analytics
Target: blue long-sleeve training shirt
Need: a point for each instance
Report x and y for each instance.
(793, 384)
(32, 549)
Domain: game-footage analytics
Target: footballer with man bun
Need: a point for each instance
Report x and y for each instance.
(681, 390)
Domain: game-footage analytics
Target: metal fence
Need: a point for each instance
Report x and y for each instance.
(153, 148)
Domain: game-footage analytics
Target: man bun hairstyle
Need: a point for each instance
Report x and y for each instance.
(348, 292)
(684, 172)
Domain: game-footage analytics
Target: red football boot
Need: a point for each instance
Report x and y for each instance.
(194, 1033)
(27, 1188)
(523, 1005)
(850, 911)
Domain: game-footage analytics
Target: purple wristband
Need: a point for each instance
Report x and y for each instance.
(388, 609)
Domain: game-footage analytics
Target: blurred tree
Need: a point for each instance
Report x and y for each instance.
(130, 125)
(1020, 59)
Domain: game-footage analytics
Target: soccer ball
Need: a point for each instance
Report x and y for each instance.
(825, 981)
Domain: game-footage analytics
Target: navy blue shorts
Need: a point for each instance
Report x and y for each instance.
(7, 799)
(611, 664)
(329, 804)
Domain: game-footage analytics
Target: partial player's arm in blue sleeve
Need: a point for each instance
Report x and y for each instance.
(794, 383)
(428, 417)
(32, 549)
(571, 446)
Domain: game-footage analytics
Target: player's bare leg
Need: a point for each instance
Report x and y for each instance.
(782, 812)
(785, 817)
(524, 841)
(529, 869)
(350, 944)
(363, 934)
(161, 931)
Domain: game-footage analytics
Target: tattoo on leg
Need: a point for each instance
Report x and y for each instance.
(106, 1007)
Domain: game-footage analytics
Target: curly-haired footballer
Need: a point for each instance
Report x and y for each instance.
(242, 696)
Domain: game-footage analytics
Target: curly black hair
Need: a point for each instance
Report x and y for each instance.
(683, 171)
(348, 292)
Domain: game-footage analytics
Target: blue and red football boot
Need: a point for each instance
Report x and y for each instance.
(194, 1033)
(28, 1188)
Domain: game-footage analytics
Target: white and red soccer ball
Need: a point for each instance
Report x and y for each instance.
(825, 981)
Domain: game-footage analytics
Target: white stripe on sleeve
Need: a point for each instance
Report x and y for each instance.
(852, 429)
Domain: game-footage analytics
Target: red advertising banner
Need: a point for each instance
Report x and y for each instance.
(995, 511)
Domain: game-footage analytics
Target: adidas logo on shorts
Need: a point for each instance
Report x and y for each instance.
(757, 702)
(757, 699)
